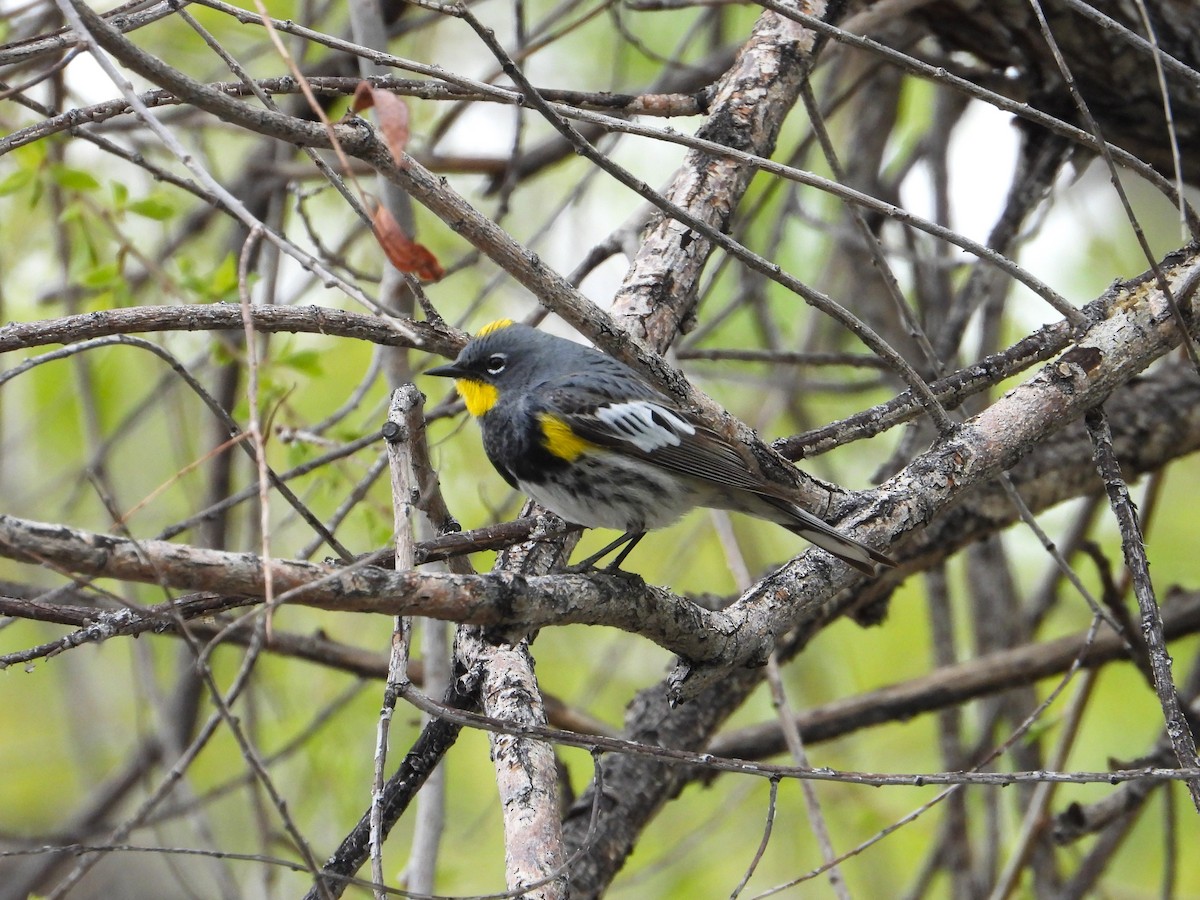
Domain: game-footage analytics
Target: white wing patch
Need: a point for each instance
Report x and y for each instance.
(647, 426)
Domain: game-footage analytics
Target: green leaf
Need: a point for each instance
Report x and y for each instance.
(74, 179)
(298, 453)
(106, 299)
(221, 353)
(72, 212)
(224, 279)
(101, 276)
(305, 361)
(379, 529)
(15, 181)
(156, 206)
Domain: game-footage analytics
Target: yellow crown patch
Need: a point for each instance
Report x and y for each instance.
(493, 326)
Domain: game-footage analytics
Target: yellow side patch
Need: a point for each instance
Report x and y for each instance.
(478, 396)
(559, 439)
(493, 326)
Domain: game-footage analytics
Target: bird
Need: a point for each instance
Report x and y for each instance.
(590, 439)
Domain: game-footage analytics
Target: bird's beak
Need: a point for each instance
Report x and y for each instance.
(450, 370)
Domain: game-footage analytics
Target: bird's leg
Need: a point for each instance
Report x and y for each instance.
(629, 539)
(632, 539)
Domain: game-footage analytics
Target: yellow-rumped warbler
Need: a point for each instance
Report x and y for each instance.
(591, 440)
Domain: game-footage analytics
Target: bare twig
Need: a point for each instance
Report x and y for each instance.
(1178, 729)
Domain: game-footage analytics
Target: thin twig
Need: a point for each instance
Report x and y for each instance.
(1178, 729)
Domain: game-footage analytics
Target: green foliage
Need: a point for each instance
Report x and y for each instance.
(158, 206)
(74, 179)
(210, 283)
(16, 181)
(306, 362)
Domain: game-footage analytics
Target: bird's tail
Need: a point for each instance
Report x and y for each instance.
(828, 538)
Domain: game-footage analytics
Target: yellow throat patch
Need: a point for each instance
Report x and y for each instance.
(478, 396)
(559, 439)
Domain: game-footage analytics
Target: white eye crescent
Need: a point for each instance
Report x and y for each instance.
(496, 363)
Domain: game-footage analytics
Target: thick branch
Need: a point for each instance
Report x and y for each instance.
(504, 599)
(1108, 354)
(646, 784)
(747, 111)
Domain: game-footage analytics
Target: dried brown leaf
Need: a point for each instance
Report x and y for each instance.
(401, 250)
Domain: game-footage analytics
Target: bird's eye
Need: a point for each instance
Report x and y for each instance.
(496, 363)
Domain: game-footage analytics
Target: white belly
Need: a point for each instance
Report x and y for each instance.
(636, 496)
